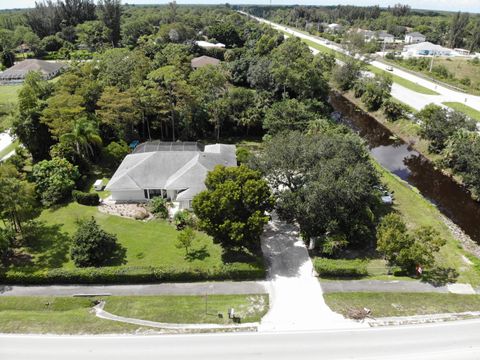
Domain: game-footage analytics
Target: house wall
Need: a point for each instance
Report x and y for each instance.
(131, 195)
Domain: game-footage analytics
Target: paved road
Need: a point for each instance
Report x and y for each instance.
(296, 301)
(212, 288)
(447, 341)
(414, 99)
(380, 286)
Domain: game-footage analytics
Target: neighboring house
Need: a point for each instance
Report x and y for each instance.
(385, 37)
(367, 34)
(209, 45)
(414, 38)
(19, 71)
(175, 171)
(202, 61)
(426, 49)
(334, 28)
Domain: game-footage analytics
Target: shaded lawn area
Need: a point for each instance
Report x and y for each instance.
(67, 315)
(467, 110)
(150, 243)
(402, 304)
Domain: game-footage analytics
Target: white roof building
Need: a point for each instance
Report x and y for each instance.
(334, 27)
(174, 171)
(208, 45)
(426, 49)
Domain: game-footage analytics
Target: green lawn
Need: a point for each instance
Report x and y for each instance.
(402, 304)
(417, 211)
(147, 243)
(67, 315)
(8, 99)
(467, 110)
(190, 309)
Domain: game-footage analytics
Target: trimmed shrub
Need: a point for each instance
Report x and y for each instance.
(184, 218)
(338, 268)
(158, 207)
(90, 199)
(133, 275)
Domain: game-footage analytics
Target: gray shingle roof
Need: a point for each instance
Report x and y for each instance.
(201, 61)
(21, 69)
(171, 169)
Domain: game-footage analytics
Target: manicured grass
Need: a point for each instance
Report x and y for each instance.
(67, 315)
(190, 309)
(417, 211)
(402, 304)
(403, 82)
(147, 243)
(8, 99)
(8, 149)
(467, 110)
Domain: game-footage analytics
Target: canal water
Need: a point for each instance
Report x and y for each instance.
(395, 155)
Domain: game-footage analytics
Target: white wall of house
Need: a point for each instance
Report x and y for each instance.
(128, 195)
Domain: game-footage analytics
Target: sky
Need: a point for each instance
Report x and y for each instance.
(450, 5)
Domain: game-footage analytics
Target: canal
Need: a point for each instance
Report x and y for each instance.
(398, 157)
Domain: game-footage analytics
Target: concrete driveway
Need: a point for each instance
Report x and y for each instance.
(296, 301)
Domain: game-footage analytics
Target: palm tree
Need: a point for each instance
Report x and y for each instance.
(83, 135)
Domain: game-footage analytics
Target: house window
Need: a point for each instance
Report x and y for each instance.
(154, 192)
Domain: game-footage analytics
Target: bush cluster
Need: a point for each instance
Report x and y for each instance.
(132, 275)
(90, 199)
(340, 267)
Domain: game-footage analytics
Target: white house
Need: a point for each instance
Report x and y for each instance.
(385, 37)
(175, 171)
(334, 28)
(426, 49)
(414, 38)
(209, 45)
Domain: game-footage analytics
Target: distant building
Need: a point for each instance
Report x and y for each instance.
(385, 37)
(334, 28)
(414, 38)
(463, 52)
(368, 35)
(19, 71)
(426, 49)
(175, 171)
(202, 61)
(209, 45)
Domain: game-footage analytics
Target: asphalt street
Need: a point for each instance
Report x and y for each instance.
(446, 341)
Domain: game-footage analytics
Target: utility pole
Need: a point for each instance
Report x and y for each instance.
(431, 62)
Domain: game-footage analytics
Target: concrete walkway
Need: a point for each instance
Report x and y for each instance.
(393, 286)
(210, 288)
(296, 301)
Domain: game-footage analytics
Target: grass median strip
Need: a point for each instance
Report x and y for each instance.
(467, 110)
(403, 82)
(67, 315)
(383, 304)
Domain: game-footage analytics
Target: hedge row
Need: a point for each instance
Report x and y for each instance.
(131, 275)
(90, 199)
(340, 267)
